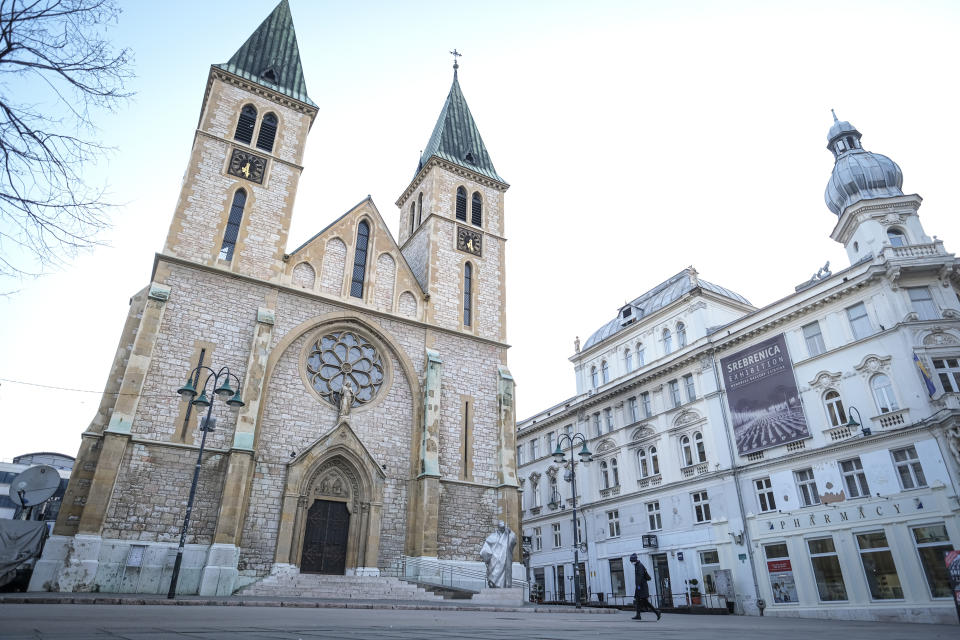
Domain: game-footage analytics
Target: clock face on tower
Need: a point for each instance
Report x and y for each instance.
(469, 241)
(248, 166)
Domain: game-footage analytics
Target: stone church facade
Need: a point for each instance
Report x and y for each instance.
(422, 463)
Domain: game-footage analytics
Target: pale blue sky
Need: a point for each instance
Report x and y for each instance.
(638, 138)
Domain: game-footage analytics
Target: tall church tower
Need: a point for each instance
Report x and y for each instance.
(238, 191)
(452, 227)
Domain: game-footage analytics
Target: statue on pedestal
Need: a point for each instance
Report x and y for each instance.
(497, 554)
(346, 400)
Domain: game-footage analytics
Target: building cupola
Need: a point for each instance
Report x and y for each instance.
(857, 174)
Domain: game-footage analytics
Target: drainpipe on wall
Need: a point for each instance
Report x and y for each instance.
(736, 480)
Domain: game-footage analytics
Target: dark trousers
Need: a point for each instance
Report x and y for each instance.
(643, 604)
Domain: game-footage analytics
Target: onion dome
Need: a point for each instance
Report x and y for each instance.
(857, 174)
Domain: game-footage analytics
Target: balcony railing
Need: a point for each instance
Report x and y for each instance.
(694, 470)
(891, 419)
(611, 491)
(840, 433)
(650, 481)
(915, 250)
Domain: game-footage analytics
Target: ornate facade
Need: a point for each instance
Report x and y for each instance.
(378, 418)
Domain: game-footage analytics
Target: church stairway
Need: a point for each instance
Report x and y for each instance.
(312, 585)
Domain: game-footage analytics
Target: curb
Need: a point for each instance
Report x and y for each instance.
(294, 604)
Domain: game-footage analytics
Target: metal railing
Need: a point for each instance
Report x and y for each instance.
(441, 574)
(670, 601)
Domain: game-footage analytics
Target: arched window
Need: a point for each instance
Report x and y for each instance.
(554, 494)
(686, 453)
(641, 354)
(534, 493)
(628, 359)
(681, 335)
(593, 377)
(883, 393)
(604, 475)
(246, 123)
(698, 443)
(667, 341)
(233, 225)
(461, 204)
(413, 208)
(896, 237)
(476, 209)
(606, 371)
(642, 463)
(420, 208)
(654, 461)
(360, 259)
(467, 294)
(834, 408)
(615, 471)
(268, 131)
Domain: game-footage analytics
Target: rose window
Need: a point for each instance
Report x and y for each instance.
(344, 357)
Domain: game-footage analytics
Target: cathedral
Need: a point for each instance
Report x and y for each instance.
(377, 419)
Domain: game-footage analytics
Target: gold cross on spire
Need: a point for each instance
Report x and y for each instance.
(456, 54)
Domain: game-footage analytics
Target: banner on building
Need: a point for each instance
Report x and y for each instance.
(763, 397)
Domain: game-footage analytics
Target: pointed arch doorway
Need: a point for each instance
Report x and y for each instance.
(325, 538)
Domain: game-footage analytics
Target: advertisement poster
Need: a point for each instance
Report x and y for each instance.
(763, 397)
(781, 581)
(952, 559)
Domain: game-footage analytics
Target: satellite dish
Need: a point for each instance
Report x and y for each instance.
(35, 485)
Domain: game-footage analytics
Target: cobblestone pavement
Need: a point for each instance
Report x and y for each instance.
(150, 622)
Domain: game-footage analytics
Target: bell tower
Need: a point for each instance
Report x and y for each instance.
(452, 225)
(237, 196)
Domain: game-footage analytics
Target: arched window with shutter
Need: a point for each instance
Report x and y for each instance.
(360, 259)
(476, 209)
(268, 132)
(233, 225)
(246, 123)
(461, 204)
(467, 294)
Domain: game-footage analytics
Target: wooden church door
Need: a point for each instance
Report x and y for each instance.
(325, 538)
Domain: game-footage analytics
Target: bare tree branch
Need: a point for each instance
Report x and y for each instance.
(56, 71)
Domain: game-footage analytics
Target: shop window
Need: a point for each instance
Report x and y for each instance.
(932, 542)
(948, 371)
(765, 495)
(826, 570)
(709, 564)
(618, 586)
(854, 479)
(781, 573)
(908, 468)
(814, 339)
(878, 566)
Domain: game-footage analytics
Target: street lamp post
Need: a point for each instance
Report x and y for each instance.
(853, 424)
(585, 457)
(221, 387)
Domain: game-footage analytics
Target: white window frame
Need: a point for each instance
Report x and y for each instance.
(520, 456)
(615, 471)
(628, 359)
(701, 506)
(537, 539)
(860, 324)
(605, 371)
(604, 475)
(674, 387)
(641, 355)
(686, 451)
(647, 406)
(881, 386)
(653, 516)
(909, 468)
(948, 374)
(535, 493)
(613, 523)
(634, 409)
(608, 419)
(920, 545)
(594, 377)
(667, 342)
(836, 413)
(699, 447)
(596, 424)
(557, 536)
(681, 335)
(534, 449)
(690, 387)
(923, 305)
(826, 554)
(854, 478)
(766, 499)
(813, 340)
(551, 442)
(807, 487)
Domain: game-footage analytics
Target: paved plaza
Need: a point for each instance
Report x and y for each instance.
(83, 622)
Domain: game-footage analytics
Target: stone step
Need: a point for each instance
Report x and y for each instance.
(337, 587)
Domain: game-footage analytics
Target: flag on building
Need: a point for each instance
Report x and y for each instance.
(926, 376)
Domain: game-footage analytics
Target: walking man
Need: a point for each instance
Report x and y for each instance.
(642, 594)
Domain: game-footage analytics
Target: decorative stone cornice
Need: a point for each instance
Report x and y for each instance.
(260, 90)
(455, 169)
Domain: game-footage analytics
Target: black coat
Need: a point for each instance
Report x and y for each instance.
(641, 577)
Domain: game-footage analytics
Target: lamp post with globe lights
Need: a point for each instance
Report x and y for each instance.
(560, 458)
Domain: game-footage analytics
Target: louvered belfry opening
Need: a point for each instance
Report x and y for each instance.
(268, 131)
(476, 210)
(461, 204)
(360, 259)
(248, 120)
(233, 225)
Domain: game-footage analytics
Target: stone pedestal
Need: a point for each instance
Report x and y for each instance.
(219, 577)
(68, 563)
(512, 597)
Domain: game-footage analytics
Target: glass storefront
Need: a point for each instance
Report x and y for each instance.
(878, 566)
(781, 573)
(617, 585)
(826, 570)
(932, 542)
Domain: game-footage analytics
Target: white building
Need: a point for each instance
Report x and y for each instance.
(727, 431)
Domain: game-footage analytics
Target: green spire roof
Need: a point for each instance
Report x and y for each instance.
(456, 139)
(270, 57)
